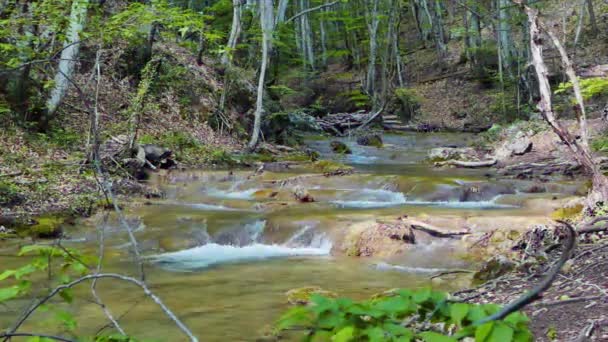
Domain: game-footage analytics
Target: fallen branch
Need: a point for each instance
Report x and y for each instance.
(569, 301)
(435, 231)
(535, 293)
(589, 226)
(468, 164)
(449, 272)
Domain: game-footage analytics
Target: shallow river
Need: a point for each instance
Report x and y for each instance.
(224, 247)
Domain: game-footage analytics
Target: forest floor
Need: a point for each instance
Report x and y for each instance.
(575, 308)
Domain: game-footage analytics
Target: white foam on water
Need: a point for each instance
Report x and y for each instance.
(210, 207)
(371, 198)
(214, 254)
(294, 239)
(233, 194)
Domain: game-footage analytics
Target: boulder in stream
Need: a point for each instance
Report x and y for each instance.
(452, 153)
(517, 146)
(340, 147)
(370, 140)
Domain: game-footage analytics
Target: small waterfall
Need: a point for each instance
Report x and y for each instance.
(370, 198)
(221, 251)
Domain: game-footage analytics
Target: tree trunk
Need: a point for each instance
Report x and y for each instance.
(504, 35)
(235, 32)
(592, 19)
(323, 41)
(581, 22)
(68, 59)
(373, 20)
(580, 151)
(267, 24)
(281, 11)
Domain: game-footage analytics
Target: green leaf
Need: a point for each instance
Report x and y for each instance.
(430, 336)
(375, 334)
(501, 333)
(8, 293)
(422, 296)
(296, 316)
(345, 334)
(523, 336)
(458, 312)
(398, 330)
(67, 319)
(483, 331)
(67, 295)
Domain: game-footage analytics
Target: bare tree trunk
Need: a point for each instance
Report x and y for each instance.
(267, 24)
(592, 18)
(504, 35)
(235, 32)
(68, 59)
(373, 19)
(581, 22)
(580, 151)
(281, 11)
(323, 41)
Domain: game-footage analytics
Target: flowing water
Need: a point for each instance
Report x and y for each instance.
(224, 246)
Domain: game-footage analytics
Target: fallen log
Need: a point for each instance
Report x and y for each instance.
(468, 164)
(435, 231)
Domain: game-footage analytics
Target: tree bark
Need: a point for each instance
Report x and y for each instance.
(68, 59)
(235, 32)
(267, 24)
(373, 20)
(592, 18)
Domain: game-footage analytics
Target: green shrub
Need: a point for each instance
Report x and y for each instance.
(590, 87)
(10, 194)
(600, 144)
(409, 103)
(402, 315)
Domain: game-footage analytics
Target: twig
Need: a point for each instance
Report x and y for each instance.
(569, 301)
(535, 293)
(311, 10)
(56, 338)
(132, 280)
(13, 174)
(450, 272)
(98, 300)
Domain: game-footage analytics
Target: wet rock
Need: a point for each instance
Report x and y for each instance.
(302, 295)
(368, 239)
(340, 147)
(302, 195)
(177, 242)
(494, 268)
(452, 153)
(47, 227)
(370, 140)
(485, 191)
(519, 145)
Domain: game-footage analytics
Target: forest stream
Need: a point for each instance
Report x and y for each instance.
(222, 247)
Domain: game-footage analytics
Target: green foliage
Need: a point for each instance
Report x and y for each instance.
(10, 194)
(590, 87)
(402, 315)
(409, 102)
(69, 263)
(600, 144)
(357, 97)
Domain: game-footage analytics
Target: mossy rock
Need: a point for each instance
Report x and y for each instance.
(370, 140)
(340, 147)
(47, 227)
(493, 269)
(568, 213)
(303, 295)
(328, 166)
